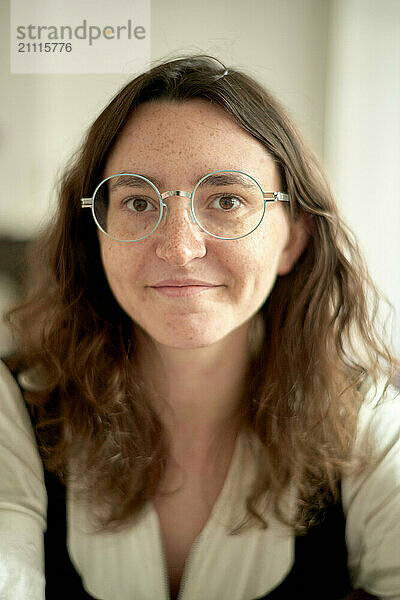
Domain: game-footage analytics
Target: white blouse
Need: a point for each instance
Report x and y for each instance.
(131, 563)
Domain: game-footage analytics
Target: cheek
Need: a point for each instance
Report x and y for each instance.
(255, 266)
(262, 253)
(108, 259)
(120, 264)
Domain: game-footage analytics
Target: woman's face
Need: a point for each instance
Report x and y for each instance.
(177, 143)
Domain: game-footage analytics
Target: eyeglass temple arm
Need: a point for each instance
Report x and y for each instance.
(276, 197)
(86, 202)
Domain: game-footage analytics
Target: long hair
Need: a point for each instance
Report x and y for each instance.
(319, 342)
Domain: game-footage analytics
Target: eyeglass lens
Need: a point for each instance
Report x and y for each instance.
(225, 204)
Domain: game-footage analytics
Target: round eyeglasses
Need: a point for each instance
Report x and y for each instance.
(226, 204)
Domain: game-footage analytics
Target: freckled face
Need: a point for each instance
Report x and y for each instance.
(177, 142)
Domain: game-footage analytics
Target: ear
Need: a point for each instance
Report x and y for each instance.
(299, 235)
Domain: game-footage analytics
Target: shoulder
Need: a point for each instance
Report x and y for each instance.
(371, 496)
(379, 418)
(12, 404)
(22, 482)
(23, 497)
(378, 438)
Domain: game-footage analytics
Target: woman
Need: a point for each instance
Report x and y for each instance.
(200, 366)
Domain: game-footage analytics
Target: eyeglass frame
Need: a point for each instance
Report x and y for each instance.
(268, 196)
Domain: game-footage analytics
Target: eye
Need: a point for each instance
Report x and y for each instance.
(139, 204)
(226, 202)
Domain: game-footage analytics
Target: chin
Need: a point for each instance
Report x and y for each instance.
(186, 341)
(186, 333)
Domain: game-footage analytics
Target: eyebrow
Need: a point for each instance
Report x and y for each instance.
(215, 179)
(126, 180)
(229, 179)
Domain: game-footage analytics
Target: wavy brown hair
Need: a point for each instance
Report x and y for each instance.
(92, 409)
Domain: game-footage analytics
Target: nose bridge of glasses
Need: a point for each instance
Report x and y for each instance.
(178, 193)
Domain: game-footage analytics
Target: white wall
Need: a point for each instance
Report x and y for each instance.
(334, 63)
(362, 132)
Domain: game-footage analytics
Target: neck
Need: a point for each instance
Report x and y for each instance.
(197, 391)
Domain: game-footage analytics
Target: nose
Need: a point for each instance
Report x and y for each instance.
(179, 239)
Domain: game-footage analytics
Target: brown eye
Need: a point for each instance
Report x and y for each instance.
(226, 203)
(139, 205)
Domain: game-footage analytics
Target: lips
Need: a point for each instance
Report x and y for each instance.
(183, 283)
(178, 288)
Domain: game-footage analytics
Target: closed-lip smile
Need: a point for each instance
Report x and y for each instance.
(182, 283)
(178, 288)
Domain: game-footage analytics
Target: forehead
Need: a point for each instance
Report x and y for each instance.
(183, 138)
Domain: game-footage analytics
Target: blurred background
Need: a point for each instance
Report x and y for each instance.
(335, 64)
